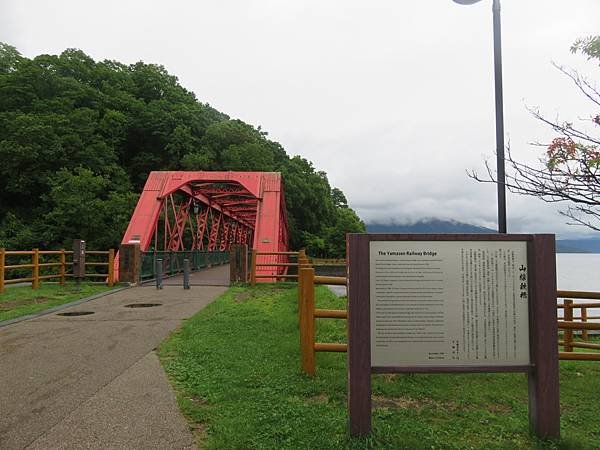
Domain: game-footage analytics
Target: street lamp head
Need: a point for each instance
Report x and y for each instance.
(466, 2)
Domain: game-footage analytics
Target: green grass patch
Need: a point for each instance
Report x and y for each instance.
(236, 368)
(20, 301)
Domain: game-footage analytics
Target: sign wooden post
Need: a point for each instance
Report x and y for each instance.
(130, 263)
(238, 263)
(78, 259)
(453, 303)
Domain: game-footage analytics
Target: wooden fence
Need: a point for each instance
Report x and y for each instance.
(60, 264)
(308, 313)
(568, 323)
(280, 260)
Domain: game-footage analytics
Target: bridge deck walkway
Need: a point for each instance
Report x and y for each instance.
(215, 276)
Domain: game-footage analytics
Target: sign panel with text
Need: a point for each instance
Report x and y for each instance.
(453, 303)
(449, 303)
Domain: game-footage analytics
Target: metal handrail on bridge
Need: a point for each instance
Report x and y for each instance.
(172, 261)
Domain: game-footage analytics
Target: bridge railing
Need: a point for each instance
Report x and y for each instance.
(172, 262)
(34, 266)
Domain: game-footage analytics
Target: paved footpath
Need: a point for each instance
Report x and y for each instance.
(94, 381)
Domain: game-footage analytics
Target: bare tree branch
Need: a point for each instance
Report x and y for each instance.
(584, 86)
(569, 171)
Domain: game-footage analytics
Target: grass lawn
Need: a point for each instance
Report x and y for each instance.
(22, 300)
(235, 366)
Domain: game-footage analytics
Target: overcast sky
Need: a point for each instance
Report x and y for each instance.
(393, 99)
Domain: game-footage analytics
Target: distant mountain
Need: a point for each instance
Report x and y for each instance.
(429, 226)
(452, 226)
(589, 245)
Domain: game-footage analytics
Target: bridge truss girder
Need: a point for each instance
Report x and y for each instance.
(210, 211)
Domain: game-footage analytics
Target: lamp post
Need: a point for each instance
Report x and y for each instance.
(501, 179)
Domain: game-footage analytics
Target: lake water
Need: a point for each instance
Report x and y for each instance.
(579, 272)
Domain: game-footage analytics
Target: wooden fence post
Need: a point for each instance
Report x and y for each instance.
(300, 293)
(253, 268)
(2, 264)
(36, 268)
(584, 319)
(111, 267)
(307, 322)
(63, 267)
(301, 254)
(568, 334)
(130, 263)
(302, 263)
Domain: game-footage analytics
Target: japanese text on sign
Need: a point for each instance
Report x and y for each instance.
(449, 303)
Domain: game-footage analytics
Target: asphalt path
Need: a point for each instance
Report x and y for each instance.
(94, 381)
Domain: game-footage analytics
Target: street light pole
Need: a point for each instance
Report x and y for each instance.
(501, 177)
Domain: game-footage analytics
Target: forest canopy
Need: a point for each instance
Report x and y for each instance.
(78, 138)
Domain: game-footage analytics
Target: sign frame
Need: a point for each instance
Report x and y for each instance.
(542, 373)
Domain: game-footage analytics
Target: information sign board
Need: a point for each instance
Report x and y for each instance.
(453, 303)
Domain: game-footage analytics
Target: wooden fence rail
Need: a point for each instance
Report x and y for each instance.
(62, 264)
(569, 322)
(308, 313)
(281, 259)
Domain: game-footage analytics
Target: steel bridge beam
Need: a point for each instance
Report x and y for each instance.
(209, 211)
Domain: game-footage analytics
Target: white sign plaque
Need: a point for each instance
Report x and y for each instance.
(449, 303)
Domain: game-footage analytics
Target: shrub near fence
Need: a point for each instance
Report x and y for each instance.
(34, 266)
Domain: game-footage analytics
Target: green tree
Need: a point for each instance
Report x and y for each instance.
(9, 58)
(346, 221)
(87, 206)
(339, 199)
(78, 138)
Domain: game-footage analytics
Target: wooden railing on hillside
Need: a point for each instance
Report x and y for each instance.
(40, 268)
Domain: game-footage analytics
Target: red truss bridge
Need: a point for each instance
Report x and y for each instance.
(209, 211)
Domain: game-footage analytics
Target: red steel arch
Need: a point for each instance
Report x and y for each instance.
(209, 211)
